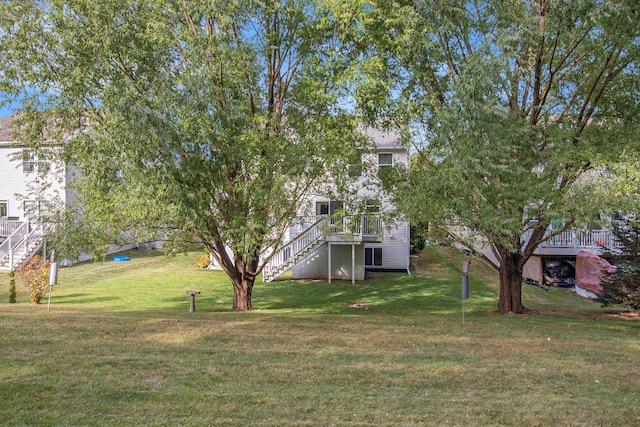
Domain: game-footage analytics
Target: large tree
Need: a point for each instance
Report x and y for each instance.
(189, 120)
(517, 106)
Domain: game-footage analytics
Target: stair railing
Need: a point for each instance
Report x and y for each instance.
(287, 254)
(15, 239)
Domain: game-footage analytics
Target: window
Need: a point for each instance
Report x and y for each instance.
(322, 208)
(32, 164)
(355, 167)
(385, 159)
(4, 208)
(373, 257)
(329, 208)
(372, 206)
(28, 162)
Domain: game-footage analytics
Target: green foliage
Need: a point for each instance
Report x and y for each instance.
(35, 278)
(12, 287)
(622, 287)
(222, 114)
(516, 108)
(419, 232)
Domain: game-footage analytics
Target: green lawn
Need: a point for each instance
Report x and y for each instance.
(119, 348)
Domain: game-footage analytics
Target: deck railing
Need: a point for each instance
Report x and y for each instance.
(21, 244)
(288, 253)
(7, 227)
(586, 239)
(356, 226)
(349, 225)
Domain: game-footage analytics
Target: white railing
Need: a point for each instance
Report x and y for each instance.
(287, 254)
(356, 226)
(594, 239)
(20, 244)
(8, 227)
(13, 242)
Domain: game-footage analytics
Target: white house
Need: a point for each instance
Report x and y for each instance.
(331, 238)
(25, 195)
(337, 239)
(21, 185)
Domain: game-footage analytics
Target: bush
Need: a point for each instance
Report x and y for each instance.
(622, 287)
(35, 277)
(12, 287)
(419, 232)
(202, 261)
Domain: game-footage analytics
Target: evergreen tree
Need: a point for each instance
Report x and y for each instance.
(622, 287)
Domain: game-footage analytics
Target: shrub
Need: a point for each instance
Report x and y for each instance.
(35, 277)
(12, 287)
(202, 261)
(622, 287)
(419, 232)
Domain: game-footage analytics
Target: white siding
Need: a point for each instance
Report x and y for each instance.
(395, 247)
(12, 181)
(15, 184)
(395, 242)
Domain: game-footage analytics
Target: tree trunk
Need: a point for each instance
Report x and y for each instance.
(242, 273)
(511, 285)
(242, 289)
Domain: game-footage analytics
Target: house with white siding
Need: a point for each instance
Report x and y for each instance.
(331, 239)
(26, 194)
(338, 239)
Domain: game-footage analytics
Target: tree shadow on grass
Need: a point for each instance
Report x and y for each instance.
(388, 293)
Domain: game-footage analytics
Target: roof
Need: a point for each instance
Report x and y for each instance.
(5, 128)
(388, 139)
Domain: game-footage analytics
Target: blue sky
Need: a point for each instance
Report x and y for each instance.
(4, 112)
(7, 110)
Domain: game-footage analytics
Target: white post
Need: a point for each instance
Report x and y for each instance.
(353, 264)
(10, 254)
(329, 252)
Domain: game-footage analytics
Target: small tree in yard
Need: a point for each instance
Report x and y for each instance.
(12, 287)
(622, 287)
(35, 277)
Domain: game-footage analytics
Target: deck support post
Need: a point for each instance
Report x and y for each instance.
(353, 264)
(329, 257)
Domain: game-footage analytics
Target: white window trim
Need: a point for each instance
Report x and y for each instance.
(385, 165)
(373, 256)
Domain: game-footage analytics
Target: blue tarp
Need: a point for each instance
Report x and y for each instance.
(120, 258)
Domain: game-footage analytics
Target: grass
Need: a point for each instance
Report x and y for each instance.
(119, 348)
